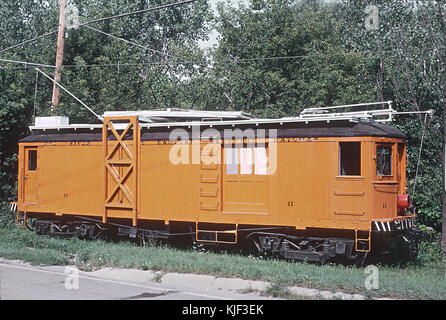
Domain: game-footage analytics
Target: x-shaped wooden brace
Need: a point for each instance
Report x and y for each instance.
(120, 184)
(120, 140)
(120, 181)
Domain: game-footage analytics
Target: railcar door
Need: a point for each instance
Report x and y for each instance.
(349, 185)
(245, 180)
(385, 183)
(30, 174)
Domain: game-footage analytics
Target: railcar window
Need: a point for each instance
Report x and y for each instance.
(350, 158)
(231, 158)
(246, 161)
(32, 160)
(260, 161)
(383, 161)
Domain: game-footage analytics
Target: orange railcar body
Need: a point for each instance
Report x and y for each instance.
(132, 179)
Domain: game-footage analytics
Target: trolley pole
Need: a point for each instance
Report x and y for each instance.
(59, 56)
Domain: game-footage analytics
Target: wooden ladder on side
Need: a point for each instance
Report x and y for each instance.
(21, 220)
(217, 235)
(367, 241)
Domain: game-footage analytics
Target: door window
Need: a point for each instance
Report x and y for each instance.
(246, 161)
(231, 158)
(383, 160)
(32, 160)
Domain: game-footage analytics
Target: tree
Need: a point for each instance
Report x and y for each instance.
(102, 71)
(19, 22)
(275, 58)
(409, 58)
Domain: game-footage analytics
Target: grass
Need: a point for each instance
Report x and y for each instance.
(422, 280)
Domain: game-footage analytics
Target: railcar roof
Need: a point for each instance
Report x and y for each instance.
(285, 129)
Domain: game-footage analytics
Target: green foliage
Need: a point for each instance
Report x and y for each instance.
(7, 218)
(407, 62)
(430, 253)
(253, 73)
(20, 21)
(105, 73)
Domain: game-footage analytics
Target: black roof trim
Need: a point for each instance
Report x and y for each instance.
(62, 137)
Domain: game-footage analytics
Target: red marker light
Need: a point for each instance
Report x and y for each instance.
(403, 201)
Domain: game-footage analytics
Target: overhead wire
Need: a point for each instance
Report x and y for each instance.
(131, 13)
(99, 20)
(35, 93)
(124, 40)
(27, 63)
(28, 41)
(118, 64)
(300, 56)
(91, 28)
(231, 60)
(419, 156)
(161, 63)
(11, 67)
(136, 44)
(72, 95)
(85, 24)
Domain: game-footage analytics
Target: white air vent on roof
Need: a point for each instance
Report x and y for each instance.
(51, 121)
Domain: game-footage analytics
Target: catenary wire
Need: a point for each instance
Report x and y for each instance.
(72, 95)
(124, 40)
(99, 20)
(135, 44)
(35, 93)
(28, 41)
(228, 60)
(131, 13)
(162, 63)
(27, 63)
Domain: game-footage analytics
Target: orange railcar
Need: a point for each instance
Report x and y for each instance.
(311, 189)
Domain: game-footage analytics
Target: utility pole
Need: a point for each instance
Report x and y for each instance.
(59, 56)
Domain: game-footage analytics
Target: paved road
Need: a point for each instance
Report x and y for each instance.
(23, 281)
